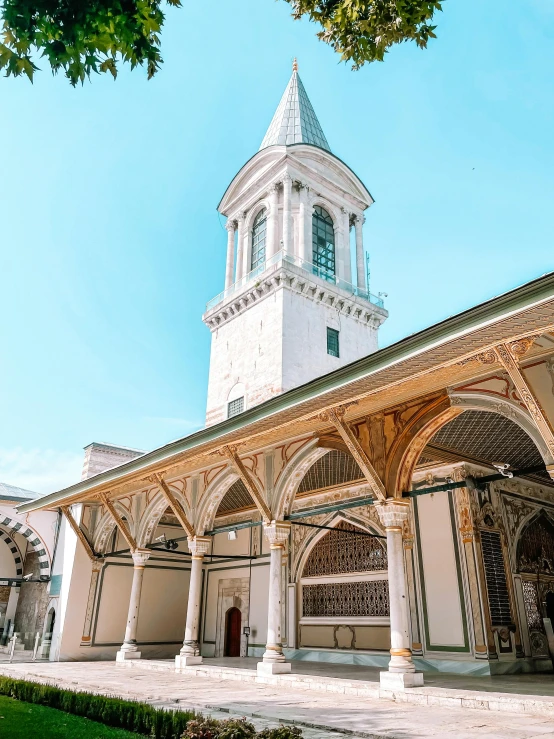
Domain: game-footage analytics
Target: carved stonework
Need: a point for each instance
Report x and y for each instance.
(393, 513)
(346, 549)
(346, 599)
(516, 511)
(467, 528)
(277, 533)
(199, 545)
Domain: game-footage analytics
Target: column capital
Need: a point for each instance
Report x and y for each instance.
(273, 188)
(277, 533)
(199, 545)
(141, 556)
(392, 512)
(231, 225)
(287, 178)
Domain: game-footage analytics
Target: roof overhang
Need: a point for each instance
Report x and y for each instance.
(522, 311)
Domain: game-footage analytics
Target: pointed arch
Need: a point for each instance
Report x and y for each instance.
(332, 519)
(292, 476)
(23, 529)
(533, 519)
(107, 525)
(211, 498)
(154, 511)
(507, 408)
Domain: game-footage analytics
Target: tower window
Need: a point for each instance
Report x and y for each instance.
(332, 342)
(234, 407)
(323, 244)
(259, 230)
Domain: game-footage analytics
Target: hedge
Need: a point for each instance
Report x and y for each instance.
(122, 714)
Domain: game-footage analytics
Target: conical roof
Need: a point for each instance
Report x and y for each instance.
(295, 121)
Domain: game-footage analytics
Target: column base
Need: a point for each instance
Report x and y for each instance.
(124, 654)
(274, 668)
(400, 680)
(186, 660)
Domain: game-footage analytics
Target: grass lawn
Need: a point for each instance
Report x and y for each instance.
(20, 720)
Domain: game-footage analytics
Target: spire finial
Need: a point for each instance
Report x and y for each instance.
(295, 65)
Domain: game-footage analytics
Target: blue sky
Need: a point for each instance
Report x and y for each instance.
(110, 240)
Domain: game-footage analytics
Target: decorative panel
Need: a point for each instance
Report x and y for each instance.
(489, 436)
(346, 549)
(235, 499)
(370, 598)
(334, 468)
(535, 552)
(495, 574)
(530, 598)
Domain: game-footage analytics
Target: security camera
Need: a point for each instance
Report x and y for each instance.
(162, 539)
(28, 577)
(503, 469)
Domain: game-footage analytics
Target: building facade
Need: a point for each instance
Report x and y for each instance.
(389, 507)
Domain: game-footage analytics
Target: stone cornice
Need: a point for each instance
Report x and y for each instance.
(290, 277)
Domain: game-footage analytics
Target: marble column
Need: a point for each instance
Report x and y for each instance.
(129, 649)
(346, 246)
(287, 214)
(190, 651)
(241, 255)
(230, 266)
(273, 221)
(305, 245)
(277, 533)
(360, 265)
(392, 513)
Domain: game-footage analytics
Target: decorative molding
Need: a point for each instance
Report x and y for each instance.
(199, 545)
(174, 504)
(509, 360)
(230, 451)
(336, 417)
(285, 276)
(277, 533)
(119, 522)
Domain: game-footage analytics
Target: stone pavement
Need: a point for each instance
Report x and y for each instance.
(320, 714)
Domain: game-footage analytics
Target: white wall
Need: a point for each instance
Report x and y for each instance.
(440, 574)
(305, 325)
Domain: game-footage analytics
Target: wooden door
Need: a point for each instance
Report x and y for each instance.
(233, 621)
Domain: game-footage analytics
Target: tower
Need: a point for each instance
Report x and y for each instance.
(291, 309)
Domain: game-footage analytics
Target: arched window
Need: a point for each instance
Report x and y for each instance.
(259, 230)
(323, 243)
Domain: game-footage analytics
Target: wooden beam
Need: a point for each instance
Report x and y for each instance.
(508, 357)
(119, 522)
(175, 505)
(336, 416)
(231, 453)
(78, 532)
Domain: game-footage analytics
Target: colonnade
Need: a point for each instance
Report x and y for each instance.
(401, 669)
(241, 225)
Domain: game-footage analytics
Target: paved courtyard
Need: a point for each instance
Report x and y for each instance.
(320, 714)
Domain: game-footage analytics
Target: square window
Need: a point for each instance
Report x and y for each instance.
(234, 407)
(332, 342)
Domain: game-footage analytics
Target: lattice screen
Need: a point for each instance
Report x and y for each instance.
(340, 552)
(334, 468)
(495, 575)
(490, 437)
(236, 498)
(369, 598)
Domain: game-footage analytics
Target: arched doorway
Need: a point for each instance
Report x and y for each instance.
(535, 563)
(233, 619)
